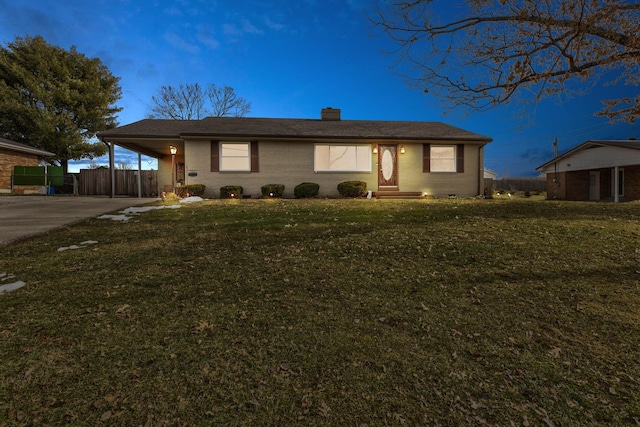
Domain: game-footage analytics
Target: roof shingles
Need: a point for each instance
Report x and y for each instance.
(292, 128)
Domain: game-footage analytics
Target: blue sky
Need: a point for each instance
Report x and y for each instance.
(290, 59)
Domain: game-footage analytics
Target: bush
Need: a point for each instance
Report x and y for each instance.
(190, 190)
(273, 190)
(306, 189)
(352, 188)
(170, 197)
(230, 191)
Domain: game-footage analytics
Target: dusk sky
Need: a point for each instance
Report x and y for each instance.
(290, 59)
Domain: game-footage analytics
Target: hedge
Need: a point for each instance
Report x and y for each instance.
(190, 190)
(352, 188)
(306, 189)
(273, 190)
(230, 191)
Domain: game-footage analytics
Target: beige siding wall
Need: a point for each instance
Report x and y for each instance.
(439, 184)
(291, 163)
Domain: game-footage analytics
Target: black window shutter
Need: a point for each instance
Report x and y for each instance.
(255, 159)
(460, 158)
(426, 157)
(215, 156)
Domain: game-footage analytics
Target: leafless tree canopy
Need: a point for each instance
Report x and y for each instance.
(186, 102)
(483, 53)
(189, 102)
(225, 102)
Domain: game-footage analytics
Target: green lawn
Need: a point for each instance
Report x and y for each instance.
(329, 312)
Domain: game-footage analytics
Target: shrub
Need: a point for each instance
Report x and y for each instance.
(170, 198)
(230, 191)
(190, 190)
(306, 189)
(273, 190)
(352, 188)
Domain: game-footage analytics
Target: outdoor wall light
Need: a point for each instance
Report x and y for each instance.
(402, 149)
(173, 150)
(375, 149)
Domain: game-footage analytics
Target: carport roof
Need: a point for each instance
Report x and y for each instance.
(246, 127)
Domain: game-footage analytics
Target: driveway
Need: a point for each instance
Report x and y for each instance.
(26, 216)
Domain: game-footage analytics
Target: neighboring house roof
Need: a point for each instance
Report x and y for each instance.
(631, 144)
(292, 128)
(23, 148)
(488, 173)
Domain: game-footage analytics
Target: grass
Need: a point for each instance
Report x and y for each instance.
(329, 312)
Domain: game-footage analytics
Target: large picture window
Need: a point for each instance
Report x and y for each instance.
(235, 156)
(342, 158)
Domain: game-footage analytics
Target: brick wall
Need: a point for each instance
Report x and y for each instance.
(556, 186)
(575, 185)
(632, 183)
(9, 159)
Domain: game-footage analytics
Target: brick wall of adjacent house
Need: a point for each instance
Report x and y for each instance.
(556, 186)
(9, 159)
(632, 182)
(575, 185)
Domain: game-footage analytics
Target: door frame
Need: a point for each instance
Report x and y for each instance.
(594, 185)
(393, 149)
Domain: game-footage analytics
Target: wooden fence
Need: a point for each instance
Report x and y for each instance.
(97, 182)
(520, 184)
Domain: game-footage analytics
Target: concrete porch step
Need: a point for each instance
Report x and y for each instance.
(397, 194)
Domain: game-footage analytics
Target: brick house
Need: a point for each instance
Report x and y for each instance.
(394, 158)
(596, 170)
(16, 154)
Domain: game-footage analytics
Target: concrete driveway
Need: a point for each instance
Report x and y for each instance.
(26, 216)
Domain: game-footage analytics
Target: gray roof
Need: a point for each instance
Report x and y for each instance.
(23, 148)
(631, 144)
(292, 128)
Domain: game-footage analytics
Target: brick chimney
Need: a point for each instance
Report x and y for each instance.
(330, 114)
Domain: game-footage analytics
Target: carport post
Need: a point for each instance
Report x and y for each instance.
(113, 169)
(139, 175)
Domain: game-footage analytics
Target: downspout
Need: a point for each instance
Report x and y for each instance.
(481, 171)
(616, 184)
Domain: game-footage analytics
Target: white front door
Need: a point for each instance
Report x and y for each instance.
(594, 185)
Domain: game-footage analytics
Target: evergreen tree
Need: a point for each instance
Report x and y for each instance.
(55, 99)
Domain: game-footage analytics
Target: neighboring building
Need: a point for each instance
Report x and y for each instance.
(392, 157)
(16, 154)
(595, 170)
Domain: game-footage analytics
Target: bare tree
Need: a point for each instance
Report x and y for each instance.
(186, 102)
(483, 53)
(225, 102)
(189, 102)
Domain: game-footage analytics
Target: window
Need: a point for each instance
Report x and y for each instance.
(235, 157)
(443, 158)
(342, 158)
